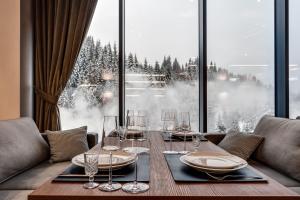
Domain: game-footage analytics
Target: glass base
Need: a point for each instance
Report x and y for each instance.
(91, 185)
(170, 152)
(106, 187)
(135, 187)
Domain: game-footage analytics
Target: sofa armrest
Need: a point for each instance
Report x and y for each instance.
(92, 139)
(215, 138)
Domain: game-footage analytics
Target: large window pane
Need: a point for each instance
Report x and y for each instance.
(92, 90)
(161, 57)
(294, 58)
(240, 63)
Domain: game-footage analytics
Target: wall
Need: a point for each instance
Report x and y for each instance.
(9, 59)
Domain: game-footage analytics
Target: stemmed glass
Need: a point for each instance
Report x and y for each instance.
(91, 168)
(169, 118)
(185, 126)
(135, 186)
(111, 143)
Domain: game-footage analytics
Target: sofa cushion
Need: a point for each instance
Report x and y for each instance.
(281, 146)
(279, 177)
(21, 147)
(14, 194)
(241, 144)
(35, 177)
(295, 189)
(64, 145)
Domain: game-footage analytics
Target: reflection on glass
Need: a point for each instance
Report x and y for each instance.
(240, 63)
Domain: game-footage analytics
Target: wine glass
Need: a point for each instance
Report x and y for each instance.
(185, 126)
(91, 168)
(135, 186)
(169, 118)
(111, 143)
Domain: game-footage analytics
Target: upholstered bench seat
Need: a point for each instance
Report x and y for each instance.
(279, 177)
(14, 194)
(34, 177)
(24, 154)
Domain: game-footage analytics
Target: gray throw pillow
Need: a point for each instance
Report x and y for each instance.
(64, 145)
(241, 144)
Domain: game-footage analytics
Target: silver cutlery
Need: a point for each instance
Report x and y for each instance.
(221, 178)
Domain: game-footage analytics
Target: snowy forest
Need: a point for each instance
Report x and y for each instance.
(93, 89)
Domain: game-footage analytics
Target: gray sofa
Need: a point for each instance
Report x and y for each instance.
(24, 155)
(278, 156)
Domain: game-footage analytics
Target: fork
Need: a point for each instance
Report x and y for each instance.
(221, 178)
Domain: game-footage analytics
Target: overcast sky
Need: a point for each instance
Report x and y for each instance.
(240, 32)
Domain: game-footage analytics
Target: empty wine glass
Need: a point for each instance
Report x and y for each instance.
(91, 168)
(135, 186)
(111, 143)
(169, 118)
(185, 126)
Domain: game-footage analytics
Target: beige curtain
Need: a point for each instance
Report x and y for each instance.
(60, 28)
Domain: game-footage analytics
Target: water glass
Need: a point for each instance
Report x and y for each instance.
(185, 126)
(169, 119)
(110, 132)
(91, 168)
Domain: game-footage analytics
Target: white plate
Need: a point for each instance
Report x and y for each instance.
(136, 150)
(214, 162)
(120, 159)
(110, 148)
(182, 134)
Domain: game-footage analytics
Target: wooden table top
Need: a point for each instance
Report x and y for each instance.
(162, 185)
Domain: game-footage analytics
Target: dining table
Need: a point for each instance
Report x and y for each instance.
(163, 186)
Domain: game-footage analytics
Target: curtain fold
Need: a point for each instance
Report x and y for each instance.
(60, 28)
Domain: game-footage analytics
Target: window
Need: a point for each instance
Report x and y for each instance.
(294, 49)
(161, 57)
(92, 90)
(240, 42)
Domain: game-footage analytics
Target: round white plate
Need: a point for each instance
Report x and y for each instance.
(214, 163)
(182, 134)
(110, 148)
(119, 160)
(136, 150)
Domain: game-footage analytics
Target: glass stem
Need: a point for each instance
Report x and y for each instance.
(136, 170)
(184, 141)
(171, 142)
(110, 169)
(91, 179)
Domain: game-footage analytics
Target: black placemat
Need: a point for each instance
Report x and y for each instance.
(76, 173)
(166, 137)
(184, 173)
